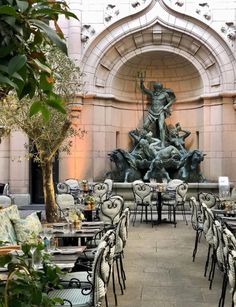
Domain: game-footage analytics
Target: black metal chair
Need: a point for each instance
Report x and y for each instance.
(100, 192)
(176, 198)
(93, 296)
(209, 199)
(197, 224)
(143, 199)
(110, 211)
(4, 189)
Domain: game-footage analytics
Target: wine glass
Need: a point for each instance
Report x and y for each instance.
(32, 251)
(48, 235)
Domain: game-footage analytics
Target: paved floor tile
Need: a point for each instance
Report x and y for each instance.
(160, 271)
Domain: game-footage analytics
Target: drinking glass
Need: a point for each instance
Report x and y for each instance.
(48, 235)
(32, 251)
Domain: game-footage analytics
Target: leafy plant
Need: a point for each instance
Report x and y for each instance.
(24, 32)
(48, 132)
(27, 286)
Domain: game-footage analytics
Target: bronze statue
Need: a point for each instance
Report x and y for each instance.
(158, 153)
(176, 136)
(161, 101)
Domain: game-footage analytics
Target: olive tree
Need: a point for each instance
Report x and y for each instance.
(50, 133)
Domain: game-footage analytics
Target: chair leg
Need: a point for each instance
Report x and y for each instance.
(118, 275)
(142, 215)
(184, 214)
(174, 215)
(195, 245)
(135, 215)
(212, 273)
(122, 272)
(114, 285)
(223, 290)
(207, 260)
(151, 215)
(106, 300)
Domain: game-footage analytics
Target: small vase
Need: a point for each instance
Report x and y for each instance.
(77, 224)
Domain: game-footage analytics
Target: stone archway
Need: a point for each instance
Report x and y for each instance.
(159, 28)
(178, 50)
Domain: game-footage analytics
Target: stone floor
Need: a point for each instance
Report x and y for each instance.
(160, 271)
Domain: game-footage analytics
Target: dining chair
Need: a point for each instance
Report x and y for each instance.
(232, 275)
(209, 199)
(121, 239)
(174, 197)
(109, 182)
(229, 244)
(74, 188)
(5, 201)
(5, 189)
(143, 199)
(196, 221)
(110, 210)
(64, 202)
(208, 218)
(94, 296)
(63, 188)
(100, 192)
(82, 279)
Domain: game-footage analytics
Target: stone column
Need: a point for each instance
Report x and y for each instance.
(4, 159)
(18, 164)
(74, 31)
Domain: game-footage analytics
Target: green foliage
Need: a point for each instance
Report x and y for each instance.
(24, 33)
(27, 286)
(48, 129)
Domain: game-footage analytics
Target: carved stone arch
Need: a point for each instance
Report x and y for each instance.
(121, 95)
(158, 27)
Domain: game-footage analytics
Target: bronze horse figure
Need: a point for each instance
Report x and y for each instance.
(126, 168)
(190, 169)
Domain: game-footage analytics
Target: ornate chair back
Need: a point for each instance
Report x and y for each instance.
(142, 193)
(208, 223)
(232, 272)
(111, 209)
(4, 189)
(208, 199)
(62, 187)
(100, 191)
(121, 234)
(65, 201)
(181, 193)
(101, 273)
(109, 182)
(74, 187)
(195, 213)
(5, 201)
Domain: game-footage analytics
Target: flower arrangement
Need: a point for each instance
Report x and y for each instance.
(84, 185)
(90, 201)
(75, 215)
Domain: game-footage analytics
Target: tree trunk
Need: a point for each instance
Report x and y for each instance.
(49, 193)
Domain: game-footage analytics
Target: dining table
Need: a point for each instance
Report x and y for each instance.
(63, 257)
(76, 236)
(159, 189)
